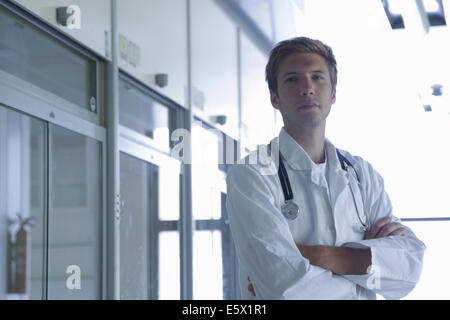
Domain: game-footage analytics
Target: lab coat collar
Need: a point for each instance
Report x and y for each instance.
(298, 159)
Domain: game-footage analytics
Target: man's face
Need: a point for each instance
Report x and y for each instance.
(305, 94)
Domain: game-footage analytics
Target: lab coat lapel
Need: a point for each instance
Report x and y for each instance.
(337, 177)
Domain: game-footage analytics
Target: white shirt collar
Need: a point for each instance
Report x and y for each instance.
(298, 159)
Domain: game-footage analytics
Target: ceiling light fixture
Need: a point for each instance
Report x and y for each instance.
(435, 12)
(393, 12)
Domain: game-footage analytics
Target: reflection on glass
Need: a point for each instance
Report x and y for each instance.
(169, 265)
(74, 257)
(136, 236)
(22, 205)
(31, 55)
(207, 263)
(435, 279)
(143, 114)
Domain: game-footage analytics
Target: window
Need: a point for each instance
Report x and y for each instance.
(144, 114)
(34, 56)
(435, 280)
(214, 262)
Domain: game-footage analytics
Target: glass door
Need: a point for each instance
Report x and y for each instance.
(50, 210)
(22, 205)
(75, 211)
(149, 235)
(138, 196)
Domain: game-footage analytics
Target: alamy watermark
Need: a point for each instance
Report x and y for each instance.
(266, 157)
(374, 280)
(74, 279)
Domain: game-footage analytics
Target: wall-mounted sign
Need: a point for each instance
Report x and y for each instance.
(129, 51)
(69, 17)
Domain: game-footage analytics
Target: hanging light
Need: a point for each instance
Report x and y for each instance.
(435, 12)
(393, 12)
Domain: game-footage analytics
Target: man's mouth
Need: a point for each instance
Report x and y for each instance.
(308, 105)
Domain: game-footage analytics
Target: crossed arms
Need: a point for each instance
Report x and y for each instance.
(343, 260)
(267, 247)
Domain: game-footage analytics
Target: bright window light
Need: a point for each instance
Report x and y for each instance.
(208, 275)
(396, 6)
(169, 265)
(431, 5)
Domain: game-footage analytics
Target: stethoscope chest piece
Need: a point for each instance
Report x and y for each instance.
(290, 210)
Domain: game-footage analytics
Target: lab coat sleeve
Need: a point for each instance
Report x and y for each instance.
(396, 260)
(266, 248)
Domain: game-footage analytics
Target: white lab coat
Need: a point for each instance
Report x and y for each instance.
(266, 241)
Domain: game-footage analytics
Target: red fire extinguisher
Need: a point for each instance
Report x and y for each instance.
(21, 254)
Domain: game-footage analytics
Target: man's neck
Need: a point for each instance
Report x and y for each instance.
(312, 141)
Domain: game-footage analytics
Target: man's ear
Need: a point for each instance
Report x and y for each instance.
(274, 100)
(333, 95)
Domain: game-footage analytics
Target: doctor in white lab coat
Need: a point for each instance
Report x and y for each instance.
(324, 253)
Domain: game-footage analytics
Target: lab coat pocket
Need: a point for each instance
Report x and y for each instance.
(350, 219)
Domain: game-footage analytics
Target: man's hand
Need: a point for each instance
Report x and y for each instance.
(339, 260)
(384, 228)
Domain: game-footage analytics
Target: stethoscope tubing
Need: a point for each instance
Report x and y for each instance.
(289, 195)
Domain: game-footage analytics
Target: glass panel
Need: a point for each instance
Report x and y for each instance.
(169, 191)
(205, 155)
(169, 265)
(33, 56)
(74, 258)
(141, 113)
(136, 235)
(22, 205)
(435, 279)
(207, 263)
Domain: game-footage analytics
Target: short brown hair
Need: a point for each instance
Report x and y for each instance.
(298, 45)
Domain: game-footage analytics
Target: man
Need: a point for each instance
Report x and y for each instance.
(345, 243)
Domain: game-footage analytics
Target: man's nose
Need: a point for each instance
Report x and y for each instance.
(306, 89)
(307, 92)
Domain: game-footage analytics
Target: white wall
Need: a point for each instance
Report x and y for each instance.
(214, 64)
(159, 29)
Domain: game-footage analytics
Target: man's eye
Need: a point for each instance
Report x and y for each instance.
(317, 77)
(291, 79)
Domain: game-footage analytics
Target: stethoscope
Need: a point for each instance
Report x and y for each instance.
(290, 209)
